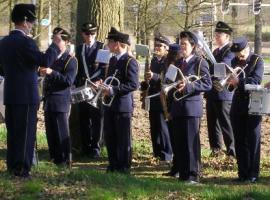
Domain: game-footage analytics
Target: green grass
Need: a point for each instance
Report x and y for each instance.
(88, 180)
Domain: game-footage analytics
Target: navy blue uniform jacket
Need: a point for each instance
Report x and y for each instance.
(253, 75)
(157, 66)
(20, 58)
(192, 105)
(90, 59)
(58, 84)
(128, 75)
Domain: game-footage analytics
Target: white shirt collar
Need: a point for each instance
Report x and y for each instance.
(19, 31)
(91, 44)
(188, 58)
(223, 45)
(118, 56)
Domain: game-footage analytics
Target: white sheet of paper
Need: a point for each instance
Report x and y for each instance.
(220, 70)
(171, 73)
(103, 56)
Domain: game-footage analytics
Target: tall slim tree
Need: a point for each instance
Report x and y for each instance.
(258, 34)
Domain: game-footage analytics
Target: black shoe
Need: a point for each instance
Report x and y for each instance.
(253, 179)
(231, 153)
(123, 171)
(240, 180)
(22, 174)
(172, 174)
(110, 169)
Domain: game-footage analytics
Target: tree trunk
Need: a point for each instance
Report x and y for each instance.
(10, 10)
(59, 13)
(258, 35)
(105, 13)
(38, 29)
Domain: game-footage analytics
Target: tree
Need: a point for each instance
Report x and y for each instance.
(258, 34)
(105, 13)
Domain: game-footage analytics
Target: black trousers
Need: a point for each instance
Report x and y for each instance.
(247, 134)
(58, 137)
(160, 136)
(91, 127)
(175, 163)
(117, 135)
(187, 147)
(21, 123)
(219, 124)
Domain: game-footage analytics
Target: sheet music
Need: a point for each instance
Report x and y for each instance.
(103, 56)
(171, 73)
(220, 70)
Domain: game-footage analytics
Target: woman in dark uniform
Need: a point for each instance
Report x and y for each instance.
(186, 112)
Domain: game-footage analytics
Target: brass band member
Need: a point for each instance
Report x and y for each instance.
(246, 128)
(218, 104)
(158, 126)
(117, 117)
(59, 78)
(186, 112)
(173, 57)
(90, 118)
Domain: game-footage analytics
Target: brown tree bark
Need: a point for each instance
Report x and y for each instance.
(258, 34)
(105, 13)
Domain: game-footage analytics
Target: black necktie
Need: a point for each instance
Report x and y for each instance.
(183, 64)
(87, 49)
(113, 61)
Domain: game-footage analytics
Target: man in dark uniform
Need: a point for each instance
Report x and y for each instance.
(117, 117)
(20, 58)
(90, 118)
(58, 81)
(158, 126)
(246, 128)
(218, 102)
(187, 111)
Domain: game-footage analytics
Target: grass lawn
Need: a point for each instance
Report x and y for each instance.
(88, 180)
